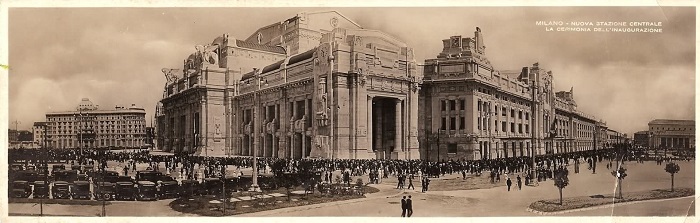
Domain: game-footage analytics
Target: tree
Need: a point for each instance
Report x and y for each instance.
(561, 180)
(672, 168)
(620, 174)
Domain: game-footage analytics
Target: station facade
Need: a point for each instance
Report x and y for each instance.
(319, 85)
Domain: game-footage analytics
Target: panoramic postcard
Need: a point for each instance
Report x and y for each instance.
(351, 112)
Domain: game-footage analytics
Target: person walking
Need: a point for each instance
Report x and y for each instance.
(409, 206)
(410, 183)
(520, 183)
(509, 183)
(403, 206)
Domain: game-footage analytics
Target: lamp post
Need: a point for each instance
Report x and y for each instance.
(533, 126)
(43, 151)
(256, 129)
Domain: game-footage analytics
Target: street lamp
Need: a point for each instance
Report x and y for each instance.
(256, 128)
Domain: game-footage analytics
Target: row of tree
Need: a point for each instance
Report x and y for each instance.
(561, 178)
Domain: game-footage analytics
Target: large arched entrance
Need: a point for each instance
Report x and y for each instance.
(386, 120)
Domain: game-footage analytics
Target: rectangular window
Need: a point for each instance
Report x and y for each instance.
(444, 105)
(461, 123)
(478, 106)
(520, 128)
(452, 148)
(496, 125)
(478, 121)
(462, 103)
(520, 114)
(452, 105)
(453, 121)
(496, 109)
(527, 116)
(512, 113)
(444, 124)
(512, 127)
(504, 111)
(527, 128)
(503, 126)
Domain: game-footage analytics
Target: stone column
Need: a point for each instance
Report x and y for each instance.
(275, 143)
(293, 130)
(370, 137)
(413, 146)
(398, 136)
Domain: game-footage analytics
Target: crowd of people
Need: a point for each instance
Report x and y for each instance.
(377, 169)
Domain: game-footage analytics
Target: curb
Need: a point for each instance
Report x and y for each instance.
(314, 206)
(602, 206)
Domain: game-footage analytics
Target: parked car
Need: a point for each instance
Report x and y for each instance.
(147, 191)
(81, 190)
(41, 189)
(105, 176)
(104, 191)
(69, 176)
(126, 191)
(169, 189)
(148, 175)
(190, 188)
(21, 189)
(57, 167)
(30, 176)
(60, 190)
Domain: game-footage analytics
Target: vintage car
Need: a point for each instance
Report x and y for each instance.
(169, 189)
(126, 191)
(104, 191)
(41, 189)
(148, 175)
(21, 189)
(57, 167)
(147, 191)
(77, 168)
(60, 190)
(81, 190)
(69, 176)
(125, 179)
(212, 186)
(190, 188)
(27, 175)
(105, 176)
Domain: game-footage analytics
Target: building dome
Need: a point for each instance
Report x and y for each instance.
(86, 104)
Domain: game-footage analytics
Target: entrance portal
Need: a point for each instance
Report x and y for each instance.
(384, 126)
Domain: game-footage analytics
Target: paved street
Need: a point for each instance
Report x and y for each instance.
(485, 202)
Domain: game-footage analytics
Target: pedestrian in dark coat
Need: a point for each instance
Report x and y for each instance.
(509, 183)
(403, 206)
(409, 206)
(520, 183)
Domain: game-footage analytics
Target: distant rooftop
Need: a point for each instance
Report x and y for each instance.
(671, 122)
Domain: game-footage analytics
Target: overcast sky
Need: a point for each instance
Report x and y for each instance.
(114, 55)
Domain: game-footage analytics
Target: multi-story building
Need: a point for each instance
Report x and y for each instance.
(39, 133)
(90, 127)
(474, 111)
(641, 139)
(315, 85)
(670, 134)
(320, 85)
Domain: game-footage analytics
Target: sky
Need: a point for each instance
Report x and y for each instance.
(114, 56)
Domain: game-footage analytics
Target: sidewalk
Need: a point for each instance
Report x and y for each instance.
(385, 191)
